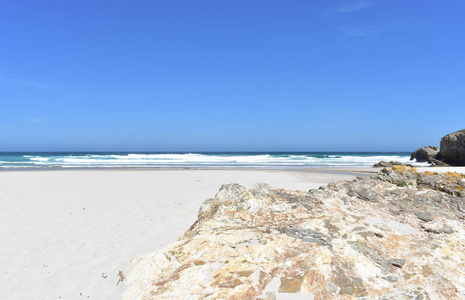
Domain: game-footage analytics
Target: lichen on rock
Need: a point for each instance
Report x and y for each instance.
(368, 238)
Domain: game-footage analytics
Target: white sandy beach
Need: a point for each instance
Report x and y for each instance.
(67, 234)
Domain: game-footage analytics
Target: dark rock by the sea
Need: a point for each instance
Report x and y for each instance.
(453, 149)
(425, 154)
(437, 163)
(397, 235)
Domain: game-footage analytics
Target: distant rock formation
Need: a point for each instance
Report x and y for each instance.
(425, 154)
(453, 149)
(386, 164)
(437, 163)
(451, 152)
(398, 235)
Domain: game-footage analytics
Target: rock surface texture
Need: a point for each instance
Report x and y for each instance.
(453, 149)
(398, 235)
(424, 154)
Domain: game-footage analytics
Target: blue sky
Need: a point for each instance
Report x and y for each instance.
(230, 75)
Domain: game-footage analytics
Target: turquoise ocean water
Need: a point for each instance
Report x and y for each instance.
(247, 160)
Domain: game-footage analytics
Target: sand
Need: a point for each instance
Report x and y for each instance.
(67, 234)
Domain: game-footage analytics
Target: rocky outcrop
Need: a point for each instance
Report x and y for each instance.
(438, 163)
(425, 154)
(453, 149)
(398, 235)
(388, 164)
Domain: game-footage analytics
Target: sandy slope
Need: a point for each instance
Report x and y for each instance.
(68, 233)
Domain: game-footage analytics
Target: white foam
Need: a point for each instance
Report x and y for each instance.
(227, 160)
(39, 158)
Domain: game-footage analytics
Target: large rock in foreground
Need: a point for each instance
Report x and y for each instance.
(424, 154)
(399, 235)
(453, 148)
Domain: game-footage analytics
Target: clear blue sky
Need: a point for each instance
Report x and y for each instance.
(230, 75)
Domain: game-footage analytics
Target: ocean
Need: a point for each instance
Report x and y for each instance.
(199, 160)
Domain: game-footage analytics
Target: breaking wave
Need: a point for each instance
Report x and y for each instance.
(201, 160)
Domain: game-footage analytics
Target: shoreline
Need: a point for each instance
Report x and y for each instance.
(349, 171)
(358, 170)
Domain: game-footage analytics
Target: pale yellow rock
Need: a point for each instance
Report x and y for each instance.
(360, 239)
